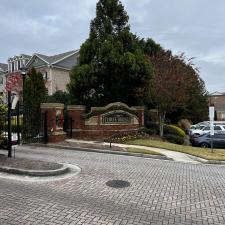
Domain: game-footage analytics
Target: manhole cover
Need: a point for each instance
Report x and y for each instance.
(118, 183)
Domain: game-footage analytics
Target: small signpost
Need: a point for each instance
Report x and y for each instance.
(211, 117)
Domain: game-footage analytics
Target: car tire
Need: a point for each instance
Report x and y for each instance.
(204, 145)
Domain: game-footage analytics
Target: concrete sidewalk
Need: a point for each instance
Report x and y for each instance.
(176, 156)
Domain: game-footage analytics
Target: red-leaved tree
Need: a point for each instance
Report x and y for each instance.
(170, 85)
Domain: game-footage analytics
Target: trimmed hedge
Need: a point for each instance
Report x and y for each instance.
(179, 130)
(167, 130)
(174, 139)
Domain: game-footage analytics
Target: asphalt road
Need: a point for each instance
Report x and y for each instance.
(160, 192)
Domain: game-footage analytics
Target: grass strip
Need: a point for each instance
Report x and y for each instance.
(143, 151)
(205, 153)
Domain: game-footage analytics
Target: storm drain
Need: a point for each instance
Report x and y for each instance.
(118, 183)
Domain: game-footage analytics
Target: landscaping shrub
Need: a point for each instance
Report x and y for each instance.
(168, 130)
(174, 139)
(174, 134)
(126, 136)
(179, 130)
(147, 131)
(152, 127)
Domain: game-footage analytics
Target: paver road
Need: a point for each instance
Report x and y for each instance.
(160, 192)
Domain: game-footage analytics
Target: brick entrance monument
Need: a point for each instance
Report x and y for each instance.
(102, 122)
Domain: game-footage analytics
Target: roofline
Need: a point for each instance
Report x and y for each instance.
(216, 93)
(36, 54)
(59, 60)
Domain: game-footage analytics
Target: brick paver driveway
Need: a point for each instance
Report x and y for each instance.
(161, 192)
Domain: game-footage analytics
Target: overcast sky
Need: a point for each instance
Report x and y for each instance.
(196, 27)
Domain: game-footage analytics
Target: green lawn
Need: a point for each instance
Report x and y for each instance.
(218, 154)
(143, 151)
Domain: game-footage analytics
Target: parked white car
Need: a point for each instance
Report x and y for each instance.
(193, 128)
(206, 129)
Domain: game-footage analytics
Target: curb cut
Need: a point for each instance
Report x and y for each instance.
(35, 173)
(105, 151)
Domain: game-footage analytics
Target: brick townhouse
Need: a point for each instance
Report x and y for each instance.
(218, 100)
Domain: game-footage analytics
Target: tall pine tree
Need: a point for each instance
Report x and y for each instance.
(112, 65)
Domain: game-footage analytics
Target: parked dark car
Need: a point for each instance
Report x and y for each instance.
(205, 140)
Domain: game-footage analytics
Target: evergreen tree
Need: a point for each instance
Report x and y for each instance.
(34, 95)
(112, 64)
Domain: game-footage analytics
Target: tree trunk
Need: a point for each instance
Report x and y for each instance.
(162, 115)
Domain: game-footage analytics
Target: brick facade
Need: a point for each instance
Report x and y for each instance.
(218, 101)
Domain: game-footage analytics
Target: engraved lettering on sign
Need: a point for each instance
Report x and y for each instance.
(116, 119)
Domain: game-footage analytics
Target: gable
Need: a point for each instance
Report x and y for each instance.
(36, 62)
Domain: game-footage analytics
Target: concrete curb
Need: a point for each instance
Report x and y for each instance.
(105, 151)
(36, 173)
(205, 161)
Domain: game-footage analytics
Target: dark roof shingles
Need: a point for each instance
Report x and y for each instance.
(54, 58)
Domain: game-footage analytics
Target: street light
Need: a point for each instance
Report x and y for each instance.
(23, 70)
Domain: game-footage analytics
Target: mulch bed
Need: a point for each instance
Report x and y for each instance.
(27, 164)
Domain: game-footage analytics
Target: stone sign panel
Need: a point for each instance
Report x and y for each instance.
(116, 118)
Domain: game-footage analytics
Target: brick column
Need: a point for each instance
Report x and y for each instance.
(140, 110)
(75, 112)
(55, 119)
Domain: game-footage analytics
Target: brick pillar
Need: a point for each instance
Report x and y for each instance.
(55, 119)
(75, 112)
(140, 110)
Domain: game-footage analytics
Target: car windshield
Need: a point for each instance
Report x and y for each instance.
(206, 128)
(217, 128)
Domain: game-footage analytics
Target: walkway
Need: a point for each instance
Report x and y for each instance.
(176, 156)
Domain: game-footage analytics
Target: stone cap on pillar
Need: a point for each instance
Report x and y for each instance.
(76, 107)
(52, 106)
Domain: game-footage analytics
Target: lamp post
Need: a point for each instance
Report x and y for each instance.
(9, 126)
(23, 70)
